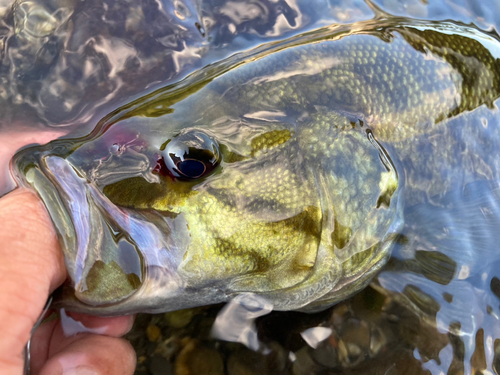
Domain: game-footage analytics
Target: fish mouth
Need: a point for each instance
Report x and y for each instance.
(119, 260)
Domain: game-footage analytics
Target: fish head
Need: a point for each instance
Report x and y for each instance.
(157, 221)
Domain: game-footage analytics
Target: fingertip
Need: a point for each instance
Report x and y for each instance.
(93, 354)
(109, 326)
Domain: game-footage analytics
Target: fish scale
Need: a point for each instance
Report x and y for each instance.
(355, 86)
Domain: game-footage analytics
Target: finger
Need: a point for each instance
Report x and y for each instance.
(31, 267)
(93, 354)
(115, 326)
(67, 330)
(51, 339)
(40, 345)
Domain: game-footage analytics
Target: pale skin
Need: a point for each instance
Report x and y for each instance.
(31, 267)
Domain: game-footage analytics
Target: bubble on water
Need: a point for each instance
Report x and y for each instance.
(484, 122)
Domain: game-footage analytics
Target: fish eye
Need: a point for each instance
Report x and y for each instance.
(190, 155)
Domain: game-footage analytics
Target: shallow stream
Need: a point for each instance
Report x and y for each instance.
(435, 306)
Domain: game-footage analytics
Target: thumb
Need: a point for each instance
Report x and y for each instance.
(31, 267)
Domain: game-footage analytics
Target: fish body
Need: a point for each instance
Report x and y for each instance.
(282, 172)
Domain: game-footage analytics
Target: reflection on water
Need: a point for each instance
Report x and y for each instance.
(235, 322)
(434, 308)
(63, 60)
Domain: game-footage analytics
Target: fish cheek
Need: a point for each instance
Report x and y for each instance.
(257, 226)
(250, 253)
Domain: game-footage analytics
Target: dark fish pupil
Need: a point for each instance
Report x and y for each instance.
(191, 168)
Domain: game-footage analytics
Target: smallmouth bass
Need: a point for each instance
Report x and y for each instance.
(277, 173)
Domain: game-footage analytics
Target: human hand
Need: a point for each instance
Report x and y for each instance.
(31, 267)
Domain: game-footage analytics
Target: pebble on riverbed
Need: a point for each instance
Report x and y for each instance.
(197, 359)
(373, 332)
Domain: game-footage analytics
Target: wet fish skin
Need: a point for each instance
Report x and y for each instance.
(306, 202)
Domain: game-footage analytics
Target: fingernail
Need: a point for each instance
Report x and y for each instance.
(80, 370)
